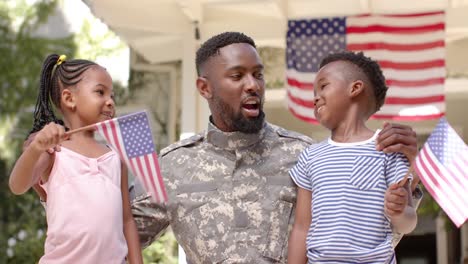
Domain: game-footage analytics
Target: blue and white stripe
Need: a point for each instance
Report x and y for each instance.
(348, 183)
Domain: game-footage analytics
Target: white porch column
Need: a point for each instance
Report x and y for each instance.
(441, 239)
(195, 111)
(189, 92)
(464, 241)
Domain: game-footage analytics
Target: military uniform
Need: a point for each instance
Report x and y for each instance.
(231, 199)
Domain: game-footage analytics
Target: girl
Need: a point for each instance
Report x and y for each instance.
(88, 211)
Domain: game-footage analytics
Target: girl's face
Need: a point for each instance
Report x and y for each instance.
(94, 96)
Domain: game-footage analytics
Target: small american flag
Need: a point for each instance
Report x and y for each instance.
(409, 48)
(441, 165)
(131, 136)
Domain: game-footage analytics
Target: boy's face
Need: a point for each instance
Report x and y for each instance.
(331, 91)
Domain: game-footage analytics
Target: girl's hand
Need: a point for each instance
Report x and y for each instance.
(49, 138)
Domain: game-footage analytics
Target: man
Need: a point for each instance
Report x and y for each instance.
(231, 199)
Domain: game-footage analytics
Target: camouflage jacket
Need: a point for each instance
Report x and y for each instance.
(231, 199)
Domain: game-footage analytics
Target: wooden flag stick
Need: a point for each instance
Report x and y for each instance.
(85, 128)
(405, 179)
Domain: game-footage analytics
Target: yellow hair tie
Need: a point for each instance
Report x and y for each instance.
(61, 59)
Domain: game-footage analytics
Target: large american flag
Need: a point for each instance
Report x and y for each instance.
(442, 166)
(410, 49)
(131, 136)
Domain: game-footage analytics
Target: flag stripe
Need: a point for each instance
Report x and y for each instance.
(411, 65)
(402, 20)
(115, 139)
(395, 38)
(399, 30)
(411, 101)
(159, 183)
(147, 174)
(410, 118)
(306, 81)
(406, 56)
(155, 167)
(306, 99)
(137, 171)
(416, 113)
(396, 47)
(415, 15)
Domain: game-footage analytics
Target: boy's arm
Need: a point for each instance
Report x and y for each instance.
(297, 250)
(403, 221)
(417, 196)
(130, 230)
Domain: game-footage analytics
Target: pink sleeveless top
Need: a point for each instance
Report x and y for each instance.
(84, 210)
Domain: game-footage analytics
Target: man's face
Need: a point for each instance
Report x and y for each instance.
(235, 80)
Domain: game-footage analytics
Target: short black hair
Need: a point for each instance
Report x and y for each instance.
(211, 46)
(369, 67)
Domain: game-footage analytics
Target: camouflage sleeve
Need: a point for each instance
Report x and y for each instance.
(417, 197)
(151, 218)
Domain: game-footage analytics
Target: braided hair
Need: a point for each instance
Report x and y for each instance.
(55, 76)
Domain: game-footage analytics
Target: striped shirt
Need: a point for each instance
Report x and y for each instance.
(348, 183)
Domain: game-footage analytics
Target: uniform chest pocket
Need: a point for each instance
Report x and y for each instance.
(367, 172)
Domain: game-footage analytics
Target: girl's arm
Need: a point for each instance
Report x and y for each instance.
(130, 230)
(297, 250)
(34, 162)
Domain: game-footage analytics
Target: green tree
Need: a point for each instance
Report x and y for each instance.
(22, 220)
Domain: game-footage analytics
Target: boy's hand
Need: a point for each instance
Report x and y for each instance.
(398, 138)
(48, 138)
(396, 199)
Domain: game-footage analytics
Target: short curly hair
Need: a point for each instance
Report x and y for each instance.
(369, 67)
(211, 47)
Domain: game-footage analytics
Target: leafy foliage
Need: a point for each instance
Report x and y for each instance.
(164, 251)
(22, 218)
(22, 53)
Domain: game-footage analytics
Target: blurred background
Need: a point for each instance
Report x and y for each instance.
(149, 49)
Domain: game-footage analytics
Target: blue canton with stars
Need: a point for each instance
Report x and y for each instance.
(445, 143)
(136, 135)
(310, 40)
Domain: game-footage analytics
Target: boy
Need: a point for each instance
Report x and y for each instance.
(342, 180)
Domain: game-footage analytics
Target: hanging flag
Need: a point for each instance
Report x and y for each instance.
(131, 136)
(441, 165)
(409, 48)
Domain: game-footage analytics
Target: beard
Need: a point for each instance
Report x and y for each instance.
(236, 121)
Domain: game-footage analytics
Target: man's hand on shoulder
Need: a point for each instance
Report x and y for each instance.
(398, 138)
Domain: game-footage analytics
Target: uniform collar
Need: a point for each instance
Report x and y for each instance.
(233, 140)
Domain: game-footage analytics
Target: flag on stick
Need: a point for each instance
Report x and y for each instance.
(131, 136)
(442, 166)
